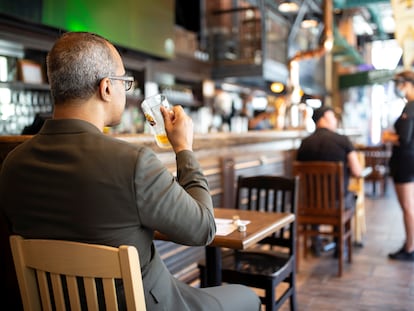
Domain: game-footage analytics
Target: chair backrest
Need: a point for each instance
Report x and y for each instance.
(63, 274)
(376, 157)
(321, 192)
(270, 193)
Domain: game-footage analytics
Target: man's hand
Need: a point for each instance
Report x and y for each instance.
(179, 128)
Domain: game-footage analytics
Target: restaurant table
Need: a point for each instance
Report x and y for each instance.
(261, 225)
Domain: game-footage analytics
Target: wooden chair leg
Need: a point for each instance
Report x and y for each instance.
(363, 221)
(384, 185)
(293, 301)
(357, 227)
(350, 243)
(359, 221)
(270, 298)
(298, 236)
(340, 260)
(340, 249)
(305, 242)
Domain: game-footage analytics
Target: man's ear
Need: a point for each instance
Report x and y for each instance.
(105, 89)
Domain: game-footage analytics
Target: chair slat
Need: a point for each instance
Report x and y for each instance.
(58, 292)
(110, 294)
(90, 293)
(44, 290)
(73, 293)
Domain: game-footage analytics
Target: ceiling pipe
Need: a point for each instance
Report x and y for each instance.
(327, 35)
(325, 47)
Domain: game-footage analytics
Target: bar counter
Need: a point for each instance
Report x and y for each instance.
(224, 144)
(207, 144)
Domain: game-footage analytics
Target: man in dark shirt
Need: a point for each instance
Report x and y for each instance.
(327, 145)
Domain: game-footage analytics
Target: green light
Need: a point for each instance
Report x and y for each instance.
(140, 25)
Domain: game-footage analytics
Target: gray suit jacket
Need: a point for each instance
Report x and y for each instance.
(72, 182)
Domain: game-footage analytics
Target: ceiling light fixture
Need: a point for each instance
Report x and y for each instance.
(277, 87)
(309, 22)
(288, 6)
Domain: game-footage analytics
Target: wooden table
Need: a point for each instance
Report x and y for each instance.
(262, 224)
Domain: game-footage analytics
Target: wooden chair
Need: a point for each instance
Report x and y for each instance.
(57, 275)
(273, 263)
(322, 203)
(376, 157)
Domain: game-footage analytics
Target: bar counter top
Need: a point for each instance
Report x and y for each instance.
(202, 141)
(214, 140)
(206, 145)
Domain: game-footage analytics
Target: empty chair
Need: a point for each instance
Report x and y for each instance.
(63, 275)
(322, 202)
(377, 157)
(273, 262)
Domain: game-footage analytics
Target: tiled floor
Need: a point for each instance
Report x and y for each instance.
(372, 281)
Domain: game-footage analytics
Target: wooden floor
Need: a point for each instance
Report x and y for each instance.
(372, 281)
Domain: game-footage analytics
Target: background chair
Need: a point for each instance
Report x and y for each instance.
(62, 273)
(273, 262)
(322, 202)
(377, 157)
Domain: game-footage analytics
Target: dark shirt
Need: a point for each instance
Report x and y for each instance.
(404, 127)
(402, 158)
(326, 145)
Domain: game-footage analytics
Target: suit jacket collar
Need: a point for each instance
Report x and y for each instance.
(67, 126)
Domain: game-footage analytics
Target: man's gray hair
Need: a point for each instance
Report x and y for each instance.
(76, 64)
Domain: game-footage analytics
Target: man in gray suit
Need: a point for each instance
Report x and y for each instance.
(73, 182)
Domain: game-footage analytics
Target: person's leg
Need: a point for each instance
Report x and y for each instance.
(405, 195)
(316, 246)
(235, 297)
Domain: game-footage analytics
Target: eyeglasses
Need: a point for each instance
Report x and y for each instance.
(128, 81)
